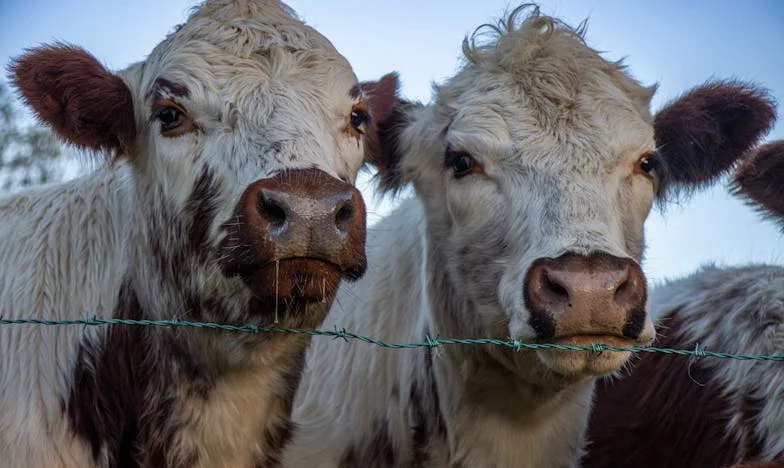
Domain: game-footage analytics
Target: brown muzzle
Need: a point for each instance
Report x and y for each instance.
(596, 295)
(296, 235)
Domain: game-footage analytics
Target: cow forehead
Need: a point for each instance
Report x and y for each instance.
(230, 47)
(598, 133)
(554, 95)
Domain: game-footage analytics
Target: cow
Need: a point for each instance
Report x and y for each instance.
(707, 412)
(533, 169)
(227, 196)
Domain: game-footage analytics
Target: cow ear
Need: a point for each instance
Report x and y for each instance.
(760, 178)
(388, 118)
(79, 98)
(702, 134)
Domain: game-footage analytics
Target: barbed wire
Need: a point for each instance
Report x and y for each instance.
(429, 342)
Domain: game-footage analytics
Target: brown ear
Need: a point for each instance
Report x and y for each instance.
(760, 178)
(703, 133)
(387, 121)
(84, 103)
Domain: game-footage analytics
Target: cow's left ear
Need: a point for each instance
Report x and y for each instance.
(387, 119)
(760, 178)
(702, 134)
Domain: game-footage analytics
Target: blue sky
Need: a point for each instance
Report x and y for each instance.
(677, 44)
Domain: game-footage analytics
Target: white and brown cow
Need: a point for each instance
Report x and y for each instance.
(711, 413)
(233, 148)
(534, 171)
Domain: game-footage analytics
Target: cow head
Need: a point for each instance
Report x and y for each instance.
(244, 129)
(536, 168)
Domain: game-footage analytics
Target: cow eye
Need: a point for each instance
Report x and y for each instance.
(170, 117)
(359, 117)
(647, 164)
(461, 163)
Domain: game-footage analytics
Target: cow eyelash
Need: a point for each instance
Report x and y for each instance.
(461, 163)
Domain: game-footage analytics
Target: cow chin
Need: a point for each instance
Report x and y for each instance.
(303, 280)
(581, 364)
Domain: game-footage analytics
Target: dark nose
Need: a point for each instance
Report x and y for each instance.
(596, 294)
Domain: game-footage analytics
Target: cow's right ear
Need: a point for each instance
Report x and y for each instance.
(760, 178)
(84, 103)
(701, 135)
(388, 119)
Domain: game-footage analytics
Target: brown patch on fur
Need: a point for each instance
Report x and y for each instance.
(427, 422)
(268, 227)
(276, 438)
(375, 450)
(84, 103)
(162, 88)
(760, 178)
(111, 391)
(388, 113)
(668, 412)
(278, 434)
(704, 132)
(124, 396)
(201, 206)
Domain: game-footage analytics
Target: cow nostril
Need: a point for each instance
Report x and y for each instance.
(623, 289)
(344, 217)
(271, 211)
(555, 288)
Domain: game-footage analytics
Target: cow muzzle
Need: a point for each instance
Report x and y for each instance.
(587, 299)
(296, 235)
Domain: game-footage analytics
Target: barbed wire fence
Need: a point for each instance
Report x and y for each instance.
(428, 341)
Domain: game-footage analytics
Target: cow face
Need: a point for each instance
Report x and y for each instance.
(245, 130)
(536, 167)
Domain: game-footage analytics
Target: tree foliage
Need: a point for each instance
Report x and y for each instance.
(29, 153)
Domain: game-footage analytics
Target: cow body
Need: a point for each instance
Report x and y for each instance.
(66, 261)
(228, 198)
(534, 170)
(420, 407)
(708, 412)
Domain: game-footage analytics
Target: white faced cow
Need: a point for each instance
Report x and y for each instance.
(242, 132)
(710, 413)
(534, 171)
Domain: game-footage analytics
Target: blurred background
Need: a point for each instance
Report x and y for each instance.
(674, 43)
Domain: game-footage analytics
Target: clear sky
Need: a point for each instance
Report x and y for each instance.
(675, 43)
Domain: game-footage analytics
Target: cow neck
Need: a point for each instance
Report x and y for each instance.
(192, 366)
(482, 387)
(169, 256)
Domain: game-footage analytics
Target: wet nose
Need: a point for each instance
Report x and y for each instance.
(308, 213)
(290, 213)
(596, 294)
(301, 214)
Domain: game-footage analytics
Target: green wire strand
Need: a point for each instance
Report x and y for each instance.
(429, 342)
